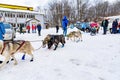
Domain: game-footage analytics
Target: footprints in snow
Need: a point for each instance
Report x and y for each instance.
(75, 61)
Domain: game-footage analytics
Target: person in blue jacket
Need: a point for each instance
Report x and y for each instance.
(83, 26)
(39, 29)
(64, 25)
(114, 26)
(2, 33)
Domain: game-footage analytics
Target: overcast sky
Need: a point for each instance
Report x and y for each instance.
(31, 3)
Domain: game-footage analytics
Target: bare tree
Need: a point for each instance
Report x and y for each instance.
(57, 10)
(77, 10)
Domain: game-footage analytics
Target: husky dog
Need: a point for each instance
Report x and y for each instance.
(13, 47)
(74, 35)
(53, 39)
(45, 41)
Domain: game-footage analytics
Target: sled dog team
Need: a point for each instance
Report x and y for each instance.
(10, 48)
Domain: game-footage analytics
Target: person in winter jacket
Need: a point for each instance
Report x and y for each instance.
(83, 26)
(28, 28)
(21, 29)
(39, 29)
(2, 33)
(114, 26)
(119, 27)
(57, 28)
(105, 25)
(94, 28)
(64, 25)
(33, 28)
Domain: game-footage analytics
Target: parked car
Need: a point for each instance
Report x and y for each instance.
(78, 25)
(10, 32)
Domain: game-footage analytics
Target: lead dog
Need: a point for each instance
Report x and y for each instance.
(18, 46)
(53, 39)
(74, 35)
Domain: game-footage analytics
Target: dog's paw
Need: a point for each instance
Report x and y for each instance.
(54, 49)
(15, 63)
(77, 41)
(62, 46)
(7, 62)
(31, 60)
(12, 59)
(23, 57)
(1, 62)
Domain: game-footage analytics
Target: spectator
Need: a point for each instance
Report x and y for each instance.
(119, 27)
(105, 25)
(21, 29)
(2, 33)
(39, 29)
(57, 28)
(64, 25)
(94, 27)
(28, 28)
(33, 28)
(114, 26)
(83, 26)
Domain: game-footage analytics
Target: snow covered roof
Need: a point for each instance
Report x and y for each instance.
(32, 19)
(22, 11)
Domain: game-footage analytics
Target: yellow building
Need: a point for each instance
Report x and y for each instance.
(21, 15)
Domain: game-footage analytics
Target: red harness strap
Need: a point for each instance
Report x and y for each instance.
(20, 45)
(4, 44)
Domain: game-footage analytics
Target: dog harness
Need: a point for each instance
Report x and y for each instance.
(20, 45)
(4, 45)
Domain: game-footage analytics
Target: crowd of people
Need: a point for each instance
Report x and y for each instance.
(94, 26)
(85, 26)
(34, 27)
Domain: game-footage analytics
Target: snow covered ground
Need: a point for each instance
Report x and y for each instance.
(96, 58)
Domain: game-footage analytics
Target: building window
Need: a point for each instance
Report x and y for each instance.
(1, 14)
(27, 16)
(10, 15)
(23, 15)
(5, 14)
(17, 15)
(13, 15)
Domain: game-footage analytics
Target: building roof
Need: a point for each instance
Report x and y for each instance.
(32, 19)
(10, 6)
(20, 11)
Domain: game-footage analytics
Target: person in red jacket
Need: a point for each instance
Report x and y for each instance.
(33, 28)
(28, 28)
(119, 27)
(94, 27)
